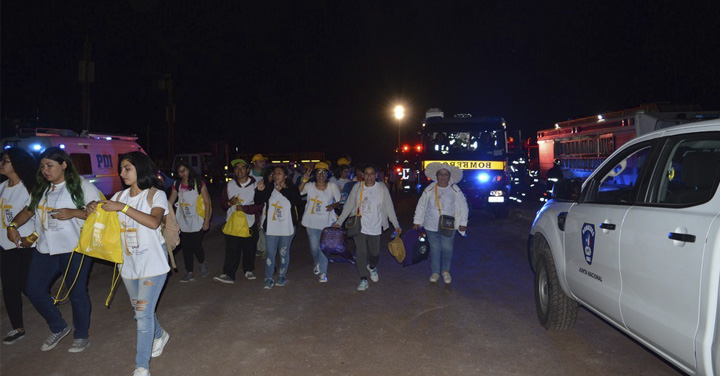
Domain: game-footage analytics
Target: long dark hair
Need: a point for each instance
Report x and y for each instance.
(72, 179)
(25, 166)
(194, 178)
(144, 167)
(288, 180)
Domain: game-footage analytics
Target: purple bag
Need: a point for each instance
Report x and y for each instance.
(333, 243)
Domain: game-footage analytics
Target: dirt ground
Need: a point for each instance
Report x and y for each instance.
(483, 323)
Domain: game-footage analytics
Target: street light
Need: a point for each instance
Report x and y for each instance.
(399, 115)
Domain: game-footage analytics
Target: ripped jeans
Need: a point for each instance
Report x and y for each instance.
(277, 245)
(144, 294)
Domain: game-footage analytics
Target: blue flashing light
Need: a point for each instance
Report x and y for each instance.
(36, 147)
(62, 146)
(7, 147)
(483, 177)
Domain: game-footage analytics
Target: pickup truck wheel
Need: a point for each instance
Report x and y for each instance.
(555, 310)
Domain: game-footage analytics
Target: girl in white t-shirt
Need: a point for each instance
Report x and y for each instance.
(57, 203)
(19, 167)
(145, 265)
(322, 198)
(186, 191)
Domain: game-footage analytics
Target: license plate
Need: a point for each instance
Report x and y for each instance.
(496, 199)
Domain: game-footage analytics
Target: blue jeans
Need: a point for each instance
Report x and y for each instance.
(317, 255)
(44, 270)
(277, 244)
(144, 294)
(440, 247)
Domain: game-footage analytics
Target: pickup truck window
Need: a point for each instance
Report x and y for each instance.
(691, 171)
(618, 181)
(82, 163)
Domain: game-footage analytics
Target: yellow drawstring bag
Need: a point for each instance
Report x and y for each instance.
(237, 225)
(199, 203)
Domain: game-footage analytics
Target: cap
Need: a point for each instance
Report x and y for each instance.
(236, 161)
(343, 161)
(257, 157)
(322, 165)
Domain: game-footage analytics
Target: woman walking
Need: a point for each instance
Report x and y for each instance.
(372, 203)
(141, 208)
(441, 210)
(58, 205)
(322, 199)
(19, 167)
(187, 191)
(281, 199)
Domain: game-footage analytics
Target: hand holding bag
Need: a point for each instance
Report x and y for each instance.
(100, 236)
(237, 225)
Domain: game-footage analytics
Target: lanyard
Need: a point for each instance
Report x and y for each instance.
(362, 187)
(43, 213)
(437, 201)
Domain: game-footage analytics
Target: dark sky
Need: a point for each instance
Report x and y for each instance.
(281, 76)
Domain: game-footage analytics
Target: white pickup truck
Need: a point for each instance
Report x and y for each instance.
(639, 244)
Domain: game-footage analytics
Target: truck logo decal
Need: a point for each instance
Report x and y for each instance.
(104, 161)
(588, 241)
(472, 165)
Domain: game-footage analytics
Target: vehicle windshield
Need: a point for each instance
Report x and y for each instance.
(456, 143)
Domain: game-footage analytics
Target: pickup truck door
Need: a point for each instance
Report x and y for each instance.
(662, 246)
(593, 229)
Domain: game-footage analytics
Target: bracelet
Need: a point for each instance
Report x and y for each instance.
(305, 180)
(125, 209)
(13, 225)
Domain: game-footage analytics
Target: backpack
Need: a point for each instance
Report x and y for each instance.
(169, 227)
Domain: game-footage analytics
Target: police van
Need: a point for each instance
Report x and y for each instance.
(95, 156)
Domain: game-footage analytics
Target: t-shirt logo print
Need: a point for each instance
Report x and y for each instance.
(98, 230)
(588, 241)
(277, 212)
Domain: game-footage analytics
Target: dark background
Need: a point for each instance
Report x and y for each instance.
(285, 76)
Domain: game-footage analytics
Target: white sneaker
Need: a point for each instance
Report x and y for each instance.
(316, 269)
(363, 285)
(373, 273)
(446, 276)
(159, 344)
(249, 275)
(141, 372)
(323, 278)
(434, 277)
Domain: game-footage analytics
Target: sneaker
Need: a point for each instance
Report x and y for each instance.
(79, 345)
(282, 281)
(323, 278)
(188, 277)
(55, 338)
(13, 336)
(316, 269)
(434, 277)
(268, 284)
(224, 278)
(446, 276)
(373, 273)
(363, 285)
(249, 275)
(203, 270)
(159, 344)
(141, 372)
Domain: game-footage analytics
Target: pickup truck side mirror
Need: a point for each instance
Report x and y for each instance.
(566, 190)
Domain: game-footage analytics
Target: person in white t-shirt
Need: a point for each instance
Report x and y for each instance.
(19, 167)
(322, 198)
(443, 196)
(372, 202)
(281, 200)
(186, 191)
(145, 263)
(58, 205)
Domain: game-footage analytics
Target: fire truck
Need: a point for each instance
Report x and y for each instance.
(582, 144)
(478, 146)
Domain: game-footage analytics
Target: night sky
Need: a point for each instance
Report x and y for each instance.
(281, 76)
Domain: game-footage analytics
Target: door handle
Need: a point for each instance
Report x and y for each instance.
(687, 238)
(607, 226)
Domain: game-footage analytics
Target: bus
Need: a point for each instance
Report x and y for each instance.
(478, 146)
(582, 144)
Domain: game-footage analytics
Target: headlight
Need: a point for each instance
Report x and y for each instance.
(483, 177)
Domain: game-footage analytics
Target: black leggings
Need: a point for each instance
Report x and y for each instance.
(14, 267)
(191, 243)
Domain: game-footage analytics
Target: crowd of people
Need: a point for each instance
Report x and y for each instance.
(45, 203)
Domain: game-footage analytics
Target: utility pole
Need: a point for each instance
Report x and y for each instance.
(168, 87)
(86, 76)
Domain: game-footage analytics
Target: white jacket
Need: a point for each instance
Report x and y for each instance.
(461, 207)
(352, 204)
